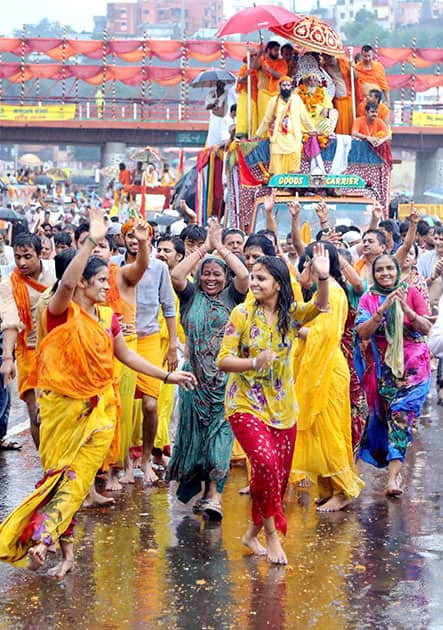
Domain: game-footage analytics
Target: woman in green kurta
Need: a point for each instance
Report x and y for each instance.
(203, 443)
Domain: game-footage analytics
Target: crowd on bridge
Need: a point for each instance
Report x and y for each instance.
(297, 358)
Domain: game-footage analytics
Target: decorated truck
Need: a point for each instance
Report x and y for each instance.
(350, 177)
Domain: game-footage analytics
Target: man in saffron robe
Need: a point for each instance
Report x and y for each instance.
(340, 72)
(286, 118)
(271, 67)
(371, 73)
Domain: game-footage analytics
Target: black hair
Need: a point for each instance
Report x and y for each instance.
(387, 225)
(228, 231)
(366, 48)
(371, 107)
(423, 227)
(285, 46)
(62, 238)
(111, 242)
(377, 94)
(268, 233)
(194, 232)
(61, 263)
(403, 227)
(81, 229)
(261, 241)
(218, 261)
(279, 271)
(345, 253)
(26, 239)
(271, 44)
(122, 166)
(439, 230)
(93, 266)
(45, 224)
(153, 223)
(334, 263)
(179, 246)
(379, 234)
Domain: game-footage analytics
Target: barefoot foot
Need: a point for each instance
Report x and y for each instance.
(127, 477)
(334, 504)
(94, 499)
(253, 543)
(148, 473)
(113, 483)
(393, 487)
(37, 556)
(61, 569)
(274, 550)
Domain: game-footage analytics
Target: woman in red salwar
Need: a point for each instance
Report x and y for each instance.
(260, 394)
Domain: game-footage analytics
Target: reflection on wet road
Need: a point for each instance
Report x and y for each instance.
(148, 562)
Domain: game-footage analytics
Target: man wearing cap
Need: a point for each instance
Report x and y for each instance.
(286, 118)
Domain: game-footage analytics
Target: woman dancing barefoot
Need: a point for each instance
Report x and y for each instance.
(75, 373)
(260, 394)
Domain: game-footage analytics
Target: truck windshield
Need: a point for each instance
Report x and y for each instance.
(340, 213)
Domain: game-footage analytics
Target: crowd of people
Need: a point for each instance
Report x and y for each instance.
(287, 97)
(298, 358)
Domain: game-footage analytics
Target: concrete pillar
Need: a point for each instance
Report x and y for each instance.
(112, 154)
(428, 173)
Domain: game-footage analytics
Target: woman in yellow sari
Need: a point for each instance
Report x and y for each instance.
(323, 449)
(78, 406)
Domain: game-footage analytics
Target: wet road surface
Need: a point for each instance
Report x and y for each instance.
(149, 562)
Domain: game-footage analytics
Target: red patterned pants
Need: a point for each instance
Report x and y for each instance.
(270, 453)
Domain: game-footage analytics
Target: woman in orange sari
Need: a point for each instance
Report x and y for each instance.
(78, 407)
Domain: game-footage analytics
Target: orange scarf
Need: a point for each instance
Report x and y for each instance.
(21, 297)
(83, 347)
(113, 295)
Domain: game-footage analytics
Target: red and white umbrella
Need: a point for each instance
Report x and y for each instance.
(311, 33)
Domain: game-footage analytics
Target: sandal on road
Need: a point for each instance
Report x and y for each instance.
(213, 511)
(10, 445)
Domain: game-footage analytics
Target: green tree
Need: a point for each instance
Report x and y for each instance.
(364, 30)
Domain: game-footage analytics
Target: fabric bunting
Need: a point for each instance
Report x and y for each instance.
(131, 50)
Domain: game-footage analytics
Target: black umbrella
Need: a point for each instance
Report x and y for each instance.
(7, 214)
(208, 78)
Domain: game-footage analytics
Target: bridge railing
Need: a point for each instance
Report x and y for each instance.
(133, 109)
(173, 110)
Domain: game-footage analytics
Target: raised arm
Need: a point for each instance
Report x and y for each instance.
(180, 273)
(188, 211)
(132, 274)
(72, 276)
(351, 276)
(409, 241)
(297, 241)
(241, 274)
